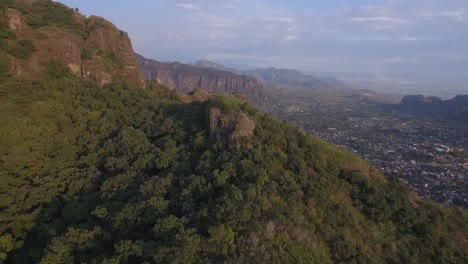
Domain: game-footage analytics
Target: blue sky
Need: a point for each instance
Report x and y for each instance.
(399, 39)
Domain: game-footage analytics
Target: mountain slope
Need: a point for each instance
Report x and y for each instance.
(185, 78)
(118, 174)
(129, 175)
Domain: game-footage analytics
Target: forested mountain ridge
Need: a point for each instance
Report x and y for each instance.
(110, 173)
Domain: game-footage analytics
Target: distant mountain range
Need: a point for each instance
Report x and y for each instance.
(186, 78)
(214, 65)
(253, 84)
(216, 78)
(456, 108)
(272, 75)
(293, 78)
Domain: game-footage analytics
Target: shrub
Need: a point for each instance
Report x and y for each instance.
(6, 33)
(46, 13)
(23, 49)
(3, 46)
(56, 69)
(86, 53)
(228, 103)
(3, 66)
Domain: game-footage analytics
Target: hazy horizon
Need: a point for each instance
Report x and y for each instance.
(418, 42)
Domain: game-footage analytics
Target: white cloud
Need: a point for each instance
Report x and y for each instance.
(398, 59)
(382, 38)
(380, 22)
(410, 38)
(230, 6)
(290, 38)
(380, 19)
(291, 28)
(278, 19)
(187, 6)
(459, 14)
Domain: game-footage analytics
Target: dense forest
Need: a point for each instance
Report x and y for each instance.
(122, 174)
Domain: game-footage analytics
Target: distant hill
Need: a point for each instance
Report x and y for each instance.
(186, 78)
(286, 77)
(293, 78)
(214, 65)
(456, 108)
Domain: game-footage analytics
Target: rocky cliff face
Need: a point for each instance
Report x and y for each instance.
(91, 47)
(186, 78)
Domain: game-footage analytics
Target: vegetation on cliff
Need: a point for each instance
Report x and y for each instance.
(43, 13)
(91, 47)
(121, 174)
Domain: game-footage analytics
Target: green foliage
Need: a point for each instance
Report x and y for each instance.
(98, 23)
(111, 60)
(4, 4)
(5, 32)
(49, 13)
(4, 47)
(231, 103)
(6, 245)
(23, 49)
(119, 174)
(56, 69)
(3, 66)
(87, 53)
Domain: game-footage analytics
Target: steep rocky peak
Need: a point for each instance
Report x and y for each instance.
(91, 47)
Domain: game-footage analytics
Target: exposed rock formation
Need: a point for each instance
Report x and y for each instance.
(107, 51)
(238, 128)
(186, 78)
(200, 95)
(106, 38)
(197, 95)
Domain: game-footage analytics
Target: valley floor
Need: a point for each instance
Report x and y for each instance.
(429, 155)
